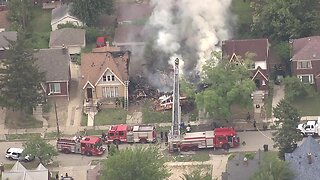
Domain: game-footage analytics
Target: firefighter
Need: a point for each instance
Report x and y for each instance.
(188, 129)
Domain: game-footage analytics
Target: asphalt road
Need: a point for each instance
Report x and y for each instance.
(254, 140)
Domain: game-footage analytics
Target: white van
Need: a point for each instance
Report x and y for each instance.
(15, 154)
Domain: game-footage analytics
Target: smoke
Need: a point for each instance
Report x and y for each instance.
(189, 30)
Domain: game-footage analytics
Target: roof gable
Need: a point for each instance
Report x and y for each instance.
(133, 11)
(307, 48)
(61, 12)
(10, 35)
(94, 65)
(298, 161)
(261, 72)
(67, 37)
(55, 63)
(259, 47)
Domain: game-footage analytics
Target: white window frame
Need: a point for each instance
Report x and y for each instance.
(110, 92)
(55, 88)
(263, 82)
(301, 66)
(310, 78)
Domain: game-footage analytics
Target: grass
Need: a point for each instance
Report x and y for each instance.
(91, 132)
(200, 157)
(25, 136)
(52, 135)
(151, 116)
(110, 116)
(88, 48)
(240, 112)
(40, 29)
(308, 106)
(18, 120)
(84, 120)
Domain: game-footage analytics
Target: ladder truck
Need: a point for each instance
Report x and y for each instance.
(224, 137)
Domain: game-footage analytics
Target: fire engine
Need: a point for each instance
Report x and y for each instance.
(88, 145)
(225, 138)
(127, 134)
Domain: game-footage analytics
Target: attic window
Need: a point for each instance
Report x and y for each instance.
(104, 78)
(108, 78)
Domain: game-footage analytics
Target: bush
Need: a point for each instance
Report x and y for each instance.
(294, 88)
(46, 107)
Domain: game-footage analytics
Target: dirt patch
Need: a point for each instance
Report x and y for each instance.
(17, 120)
(62, 111)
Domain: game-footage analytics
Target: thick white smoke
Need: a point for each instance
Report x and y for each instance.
(190, 29)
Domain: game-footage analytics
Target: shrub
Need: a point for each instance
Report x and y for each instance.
(294, 88)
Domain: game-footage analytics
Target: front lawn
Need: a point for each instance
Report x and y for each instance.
(110, 116)
(308, 106)
(151, 116)
(24, 136)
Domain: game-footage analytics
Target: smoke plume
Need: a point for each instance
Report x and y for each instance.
(189, 30)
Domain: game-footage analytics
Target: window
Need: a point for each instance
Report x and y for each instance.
(263, 82)
(104, 78)
(306, 78)
(112, 78)
(111, 134)
(121, 133)
(109, 78)
(304, 65)
(110, 92)
(55, 88)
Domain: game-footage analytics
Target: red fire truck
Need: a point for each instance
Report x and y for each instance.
(218, 138)
(127, 134)
(88, 145)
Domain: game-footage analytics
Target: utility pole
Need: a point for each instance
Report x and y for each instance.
(55, 110)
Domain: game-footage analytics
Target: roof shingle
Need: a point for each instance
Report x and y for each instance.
(307, 48)
(241, 47)
(10, 35)
(68, 37)
(93, 65)
(55, 63)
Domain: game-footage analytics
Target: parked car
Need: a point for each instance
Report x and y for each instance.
(16, 154)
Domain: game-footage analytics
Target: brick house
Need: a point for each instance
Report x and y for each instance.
(105, 79)
(258, 51)
(305, 60)
(55, 63)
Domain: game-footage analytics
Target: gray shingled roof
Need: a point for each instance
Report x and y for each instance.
(60, 12)
(68, 37)
(11, 35)
(55, 62)
(298, 161)
(238, 170)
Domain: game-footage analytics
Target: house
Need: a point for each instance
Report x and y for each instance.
(4, 22)
(72, 39)
(4, 43)
(241, 167)
(304, 161)
(305, 60)
(62, 15)
(55, 63)
(130, 12)
(105, 79)
(19, 172)
(257, 50)
(130, 31)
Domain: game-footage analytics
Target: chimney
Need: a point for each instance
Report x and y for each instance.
(309, 158)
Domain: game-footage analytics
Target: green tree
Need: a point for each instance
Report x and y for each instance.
(198, 174)
(294, 88)
(89, 11)
(273, 169)
(40, 148)
(136, 163)
(228, 83)
(20, 78)
(282, 20)
(287, 136)
(20, 12)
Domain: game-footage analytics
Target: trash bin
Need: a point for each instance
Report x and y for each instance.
(265, 147)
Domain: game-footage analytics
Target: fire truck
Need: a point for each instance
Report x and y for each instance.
(88, 145)
(127, 134)
(225, 138)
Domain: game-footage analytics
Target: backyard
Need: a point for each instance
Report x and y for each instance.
(243, 13)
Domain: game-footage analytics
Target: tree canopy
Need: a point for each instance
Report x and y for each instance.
(40, 148)
(294, 88)
(200, 173)
(227, 83)
(282, 20)
(20, 80)
(273, 168)
(287, 136)
(89, 11)
(136, 163)
(20, 12)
